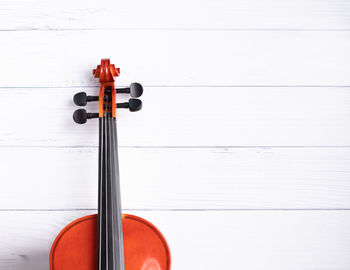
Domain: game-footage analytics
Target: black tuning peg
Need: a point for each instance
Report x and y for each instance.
(81, 99)
(135, 90)
(133, 105)
(80, 116)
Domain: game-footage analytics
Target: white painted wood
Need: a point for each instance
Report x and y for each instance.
(221, 240)
(56, 58)
(283, 178)
(206, 139)
(187, 14)
(184, 117)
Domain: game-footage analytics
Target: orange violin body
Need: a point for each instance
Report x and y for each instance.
(75, 248)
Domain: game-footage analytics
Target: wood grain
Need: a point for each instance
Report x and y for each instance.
(176, 58)
(183, 14)
(190, 117)
(257, 178)
(202, 240)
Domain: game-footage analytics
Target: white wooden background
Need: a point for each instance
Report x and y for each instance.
(241, 155)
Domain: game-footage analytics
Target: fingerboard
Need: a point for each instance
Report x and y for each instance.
(110, 231)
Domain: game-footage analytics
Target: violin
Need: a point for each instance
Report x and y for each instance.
(109, 240)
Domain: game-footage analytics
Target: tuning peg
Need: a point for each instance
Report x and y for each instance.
(133, 105)
(81, 99)
(135, 90)
(80, 116)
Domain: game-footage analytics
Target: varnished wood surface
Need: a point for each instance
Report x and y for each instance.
(76, 247)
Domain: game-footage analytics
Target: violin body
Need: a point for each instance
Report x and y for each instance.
(109, 240)
(75, 248)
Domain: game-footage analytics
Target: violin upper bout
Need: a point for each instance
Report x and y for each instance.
(75, 248)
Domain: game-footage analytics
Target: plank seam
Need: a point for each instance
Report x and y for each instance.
(191, 86)
(181, 210)
(176, 29)
(185, 147)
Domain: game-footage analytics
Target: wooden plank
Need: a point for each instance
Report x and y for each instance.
(179, 178)
(202, 240)
(203, 116)
(186, 14)
(173, 58)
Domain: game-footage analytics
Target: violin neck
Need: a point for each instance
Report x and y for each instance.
(110, 231)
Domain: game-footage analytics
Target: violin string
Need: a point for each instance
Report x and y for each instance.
(112, 187)
(106, 184)
(117, 199)
(110, 252)
(112, 191)
(100, 195)
(103, 166)
(105, 246)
